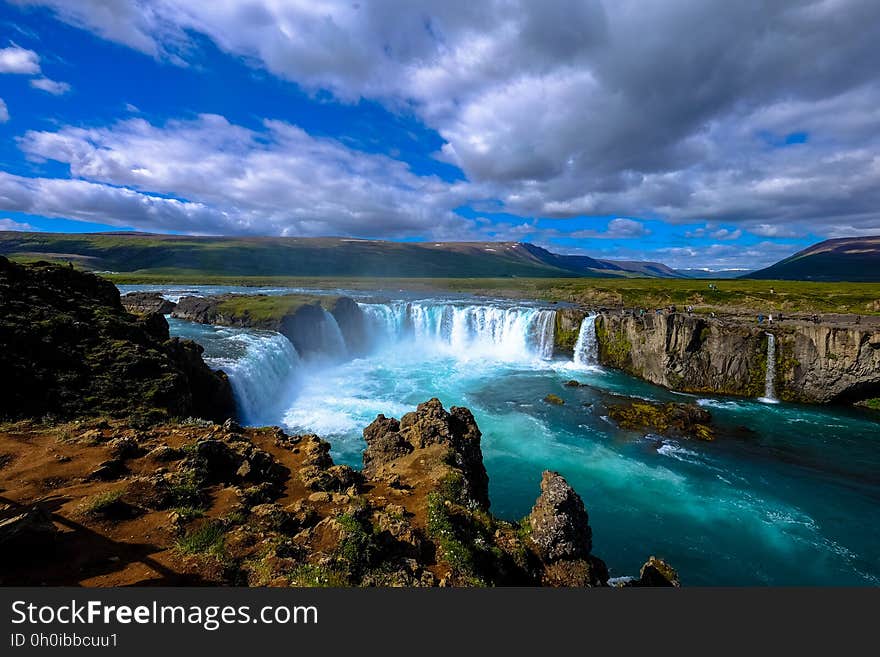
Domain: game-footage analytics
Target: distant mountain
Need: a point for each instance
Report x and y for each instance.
(178, 255)
(720, 273)
(855, 259)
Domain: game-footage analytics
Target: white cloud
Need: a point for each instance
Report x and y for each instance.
(50, 86)
(4, 111)
(10, 224)
(620, 228)
(19, 60)
(279, 180)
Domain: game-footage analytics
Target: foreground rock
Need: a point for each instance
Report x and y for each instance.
(68, 348)
(203, 503)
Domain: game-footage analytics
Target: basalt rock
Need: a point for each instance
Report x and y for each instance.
(814, 362)
(71, 349)
(669, 419)
(657, 572)
(145, 303)
(430, 424)
(561, 536)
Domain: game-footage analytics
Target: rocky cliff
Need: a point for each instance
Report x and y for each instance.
(302, 319)
(228, 505)
(814, 363)
(68, 348)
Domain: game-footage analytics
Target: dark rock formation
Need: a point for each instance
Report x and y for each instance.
(815, 363)
(25, 529)
(561, 535)
(145, 303)
(197, 309)
(430, 424)
(353, 324)
(559, 522)
(669, 419)
(657, 572)
(71, 349)
(566, 330)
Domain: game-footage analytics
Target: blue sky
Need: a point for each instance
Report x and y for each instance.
(439, 121)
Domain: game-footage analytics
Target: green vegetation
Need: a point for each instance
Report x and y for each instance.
(208, 538)
(614, 348)
(103, 505)
(187, 513)
(316, 576)
(737, 296)
(261, 309)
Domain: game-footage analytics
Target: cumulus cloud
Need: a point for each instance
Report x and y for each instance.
(19, 60)
(50, 86)
(620, 228)
(574, 107)
(11, 224)
(278, 180)
(4, 111)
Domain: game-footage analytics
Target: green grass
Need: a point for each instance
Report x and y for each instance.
(261, 309)
(101, 505)
(648, 293)
(209, 538)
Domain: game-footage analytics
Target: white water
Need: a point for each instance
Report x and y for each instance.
(262, 366)
(468, 331)
(586, 350)
(770, 377)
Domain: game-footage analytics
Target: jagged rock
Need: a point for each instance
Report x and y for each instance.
(430, 424)
(657, 572)
(556, 400)
(231, 426)
(560, 526)
(572, 384)
(146, 303)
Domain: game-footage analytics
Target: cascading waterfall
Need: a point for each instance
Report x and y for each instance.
(586, 349)
(504, 333)
(333, 342)
(770, 376)
(262, 365)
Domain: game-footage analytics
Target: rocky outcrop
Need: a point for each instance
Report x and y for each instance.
(669, 419)
(223, 504)
(815, 363)
(429, 425)
(566, 330)
(147, 303)
(316, 326)
(71, 349)
(561, 535)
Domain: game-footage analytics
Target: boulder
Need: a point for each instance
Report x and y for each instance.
(145, 303)
(560, 526)
(669, 419)
(25, 528)
(657, 572)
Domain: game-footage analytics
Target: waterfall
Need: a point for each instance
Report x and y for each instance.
(503, 333)
(586, 347)
(333, 342)
(262, 365)
(770, 376)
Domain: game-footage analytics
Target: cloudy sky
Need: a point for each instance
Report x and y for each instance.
(702, 134)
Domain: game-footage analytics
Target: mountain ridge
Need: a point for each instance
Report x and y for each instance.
(124, 252)
(854, 259)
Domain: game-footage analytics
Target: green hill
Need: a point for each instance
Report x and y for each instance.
(855, 259)
(140, 253)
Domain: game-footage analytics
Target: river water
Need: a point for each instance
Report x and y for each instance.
(787, 494)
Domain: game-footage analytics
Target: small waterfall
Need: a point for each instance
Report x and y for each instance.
(333, 342)
(263, 376)
(770, 377)
(586, 349)
(262, 365)
(503, 333)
